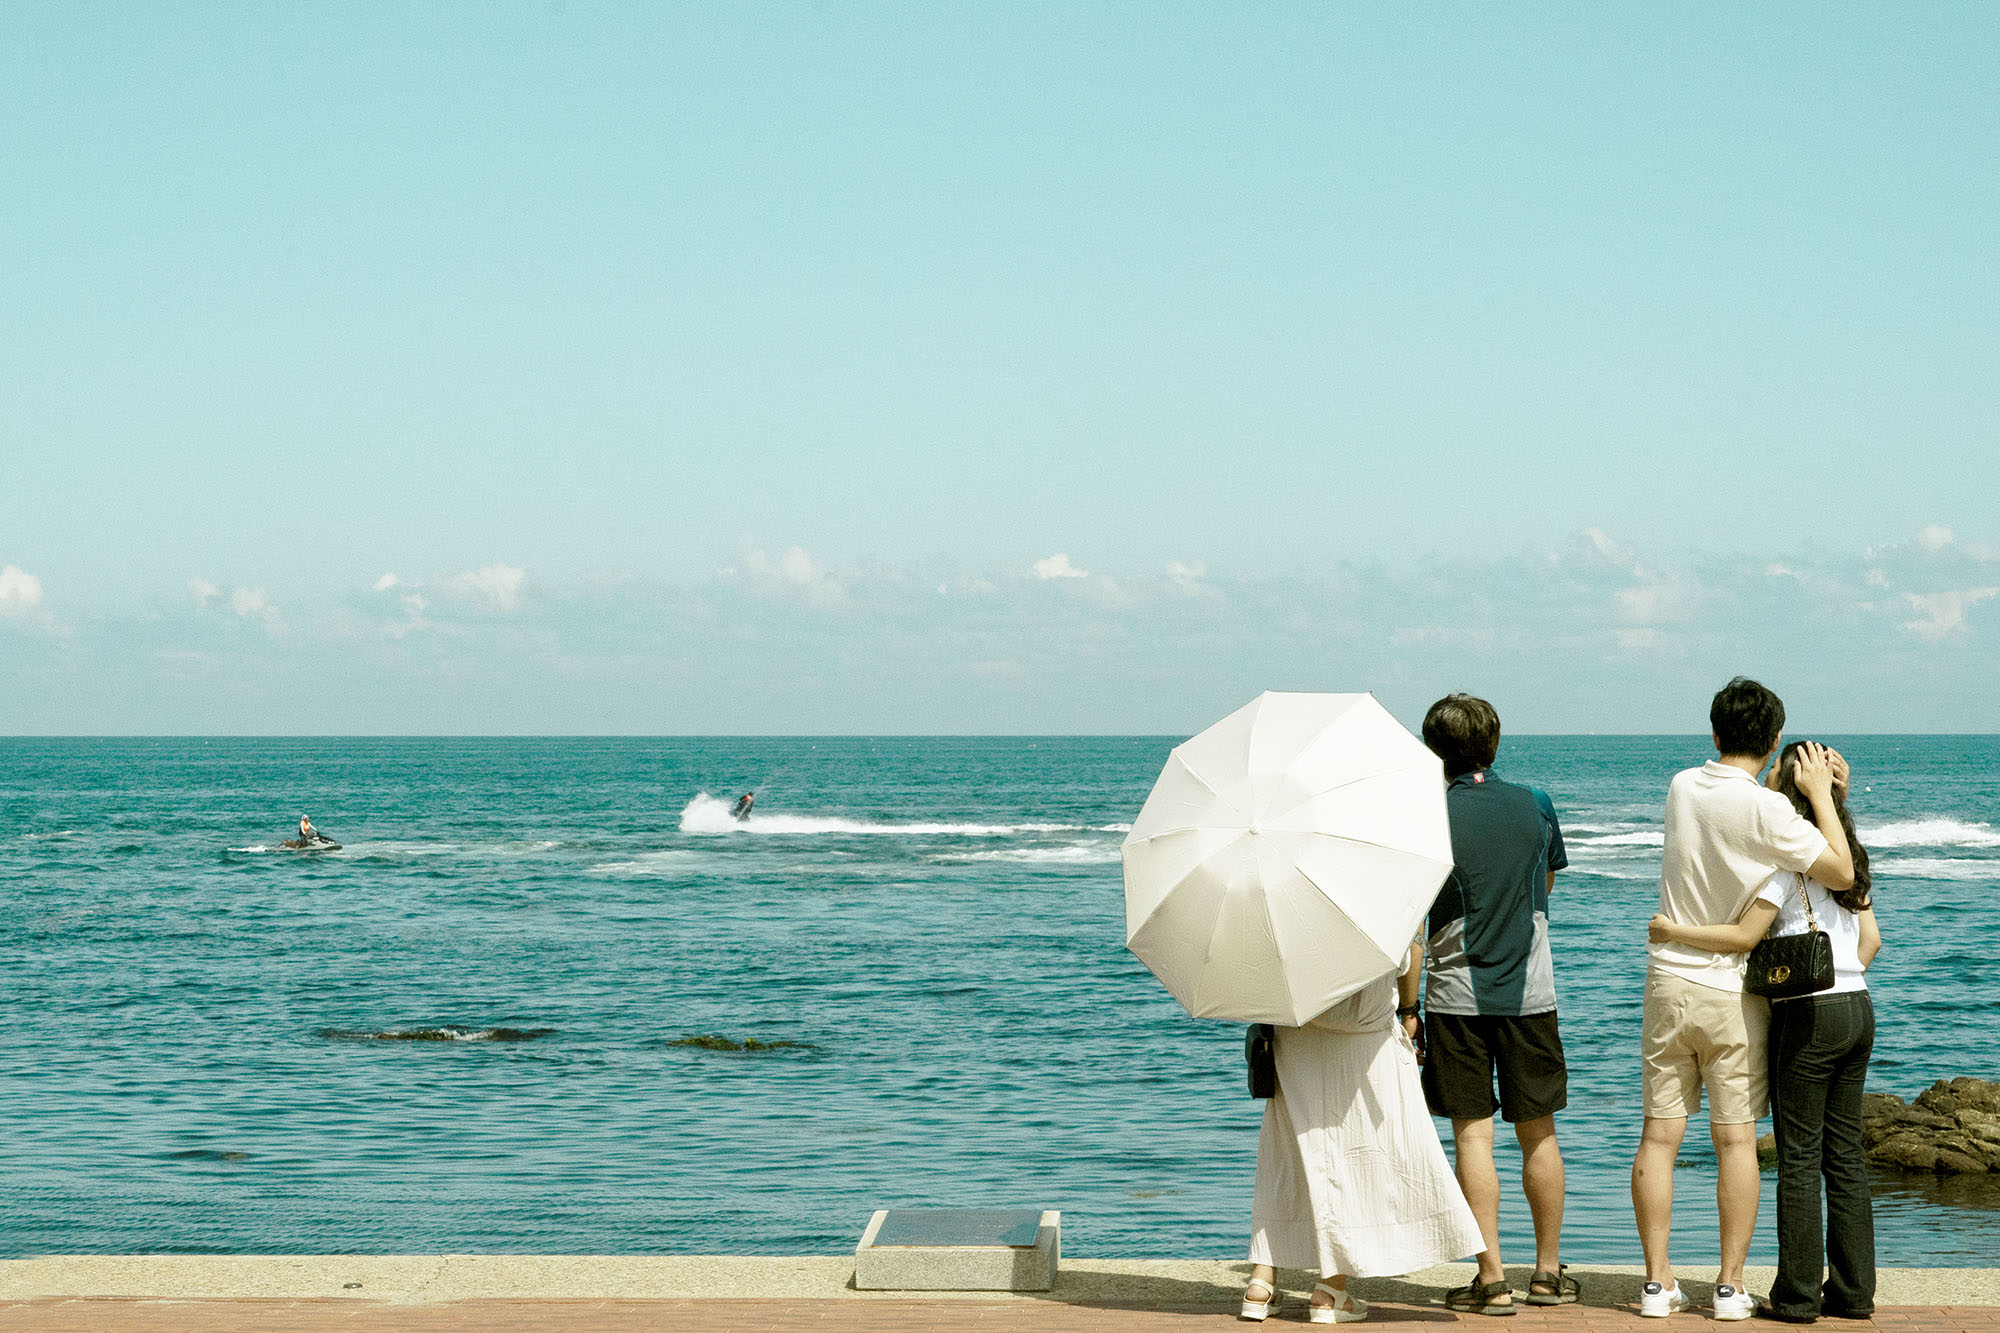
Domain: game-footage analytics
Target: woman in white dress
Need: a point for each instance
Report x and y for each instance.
(1351, 1178)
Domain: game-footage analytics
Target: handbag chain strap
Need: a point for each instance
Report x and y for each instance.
(1812, 922)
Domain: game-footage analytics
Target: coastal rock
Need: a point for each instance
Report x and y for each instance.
(1960, 1094)
(1953, 1129)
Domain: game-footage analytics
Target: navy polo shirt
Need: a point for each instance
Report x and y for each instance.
(1488, 936)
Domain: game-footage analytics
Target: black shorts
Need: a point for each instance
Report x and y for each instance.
(1462, 1055)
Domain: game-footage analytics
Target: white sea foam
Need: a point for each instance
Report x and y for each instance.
(1639, 838)
(708, 814)
(1617, 870)
(646, 863)
(393, 847)
(318, 854)
(1934, 831)
(1936, 867)
(1075, 855)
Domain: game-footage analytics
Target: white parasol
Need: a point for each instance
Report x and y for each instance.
(1286, 857)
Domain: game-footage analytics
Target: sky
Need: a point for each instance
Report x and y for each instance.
(869, 368)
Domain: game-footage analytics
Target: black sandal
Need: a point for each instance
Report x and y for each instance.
(1557, 1288)
(1494, 1298)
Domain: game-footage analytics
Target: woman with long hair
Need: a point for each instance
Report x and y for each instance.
(1819, 1049)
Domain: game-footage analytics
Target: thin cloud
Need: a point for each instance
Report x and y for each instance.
(790, 576)
(20, 594)
(497, 586)
(1057, 566)
(1940, 615)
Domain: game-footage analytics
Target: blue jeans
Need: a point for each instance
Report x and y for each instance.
(1819, 1062)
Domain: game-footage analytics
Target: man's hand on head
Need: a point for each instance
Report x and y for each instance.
(1814, 771)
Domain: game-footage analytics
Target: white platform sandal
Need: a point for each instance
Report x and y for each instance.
(1346, 1309)
(1258, 1310)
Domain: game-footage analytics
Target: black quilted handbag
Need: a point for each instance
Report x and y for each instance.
(1782, 967)
(1263, 1064)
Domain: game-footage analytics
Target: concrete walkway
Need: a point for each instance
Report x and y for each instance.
(591, 1293)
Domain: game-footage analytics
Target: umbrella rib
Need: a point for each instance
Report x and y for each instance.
(1313, 796)
(1344, 917)
(1362, 842)
(1134, 930)
(1208, 786)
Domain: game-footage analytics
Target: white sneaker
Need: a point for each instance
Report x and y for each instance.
(1657, 1302)
(1733, 1304)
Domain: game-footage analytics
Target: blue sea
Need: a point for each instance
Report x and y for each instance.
(464, 1031)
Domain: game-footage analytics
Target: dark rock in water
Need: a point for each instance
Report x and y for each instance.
(1953, 1129)
(447, 1032)
(715, 1043)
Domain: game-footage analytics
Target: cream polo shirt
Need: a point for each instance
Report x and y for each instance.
(1726, 832)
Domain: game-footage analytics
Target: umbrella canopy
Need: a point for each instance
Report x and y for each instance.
(1286, 857)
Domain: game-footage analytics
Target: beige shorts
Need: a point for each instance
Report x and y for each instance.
(1695, 1035)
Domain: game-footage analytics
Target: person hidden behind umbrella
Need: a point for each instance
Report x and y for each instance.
(1351, 1178)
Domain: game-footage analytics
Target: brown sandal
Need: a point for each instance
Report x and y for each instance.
(1557, 1288)
(1496, 1298)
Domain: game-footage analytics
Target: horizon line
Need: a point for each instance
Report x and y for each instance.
(823, 735)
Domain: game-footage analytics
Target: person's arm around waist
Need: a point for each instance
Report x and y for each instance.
(1871, 937)
(1835, 867)
(1740, 936)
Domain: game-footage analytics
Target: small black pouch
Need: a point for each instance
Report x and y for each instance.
(1783, 967)
(1263, 1064)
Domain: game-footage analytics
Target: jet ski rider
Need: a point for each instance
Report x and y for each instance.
(743, 804)
(307, 832)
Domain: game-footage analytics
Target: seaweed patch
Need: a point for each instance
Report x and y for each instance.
(711, 1042)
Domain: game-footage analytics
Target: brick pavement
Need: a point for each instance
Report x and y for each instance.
(835, 1316)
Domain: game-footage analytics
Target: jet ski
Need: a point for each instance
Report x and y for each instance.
(319, 842)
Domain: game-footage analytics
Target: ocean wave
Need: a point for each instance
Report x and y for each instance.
(1639, 838)
(441, 1032)
(1936, 867)
(1933, 831)
(709, 814)
(646, 863)
(317, 852)
(1037, 855)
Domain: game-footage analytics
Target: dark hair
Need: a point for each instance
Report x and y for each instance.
(1747, 718)
(1786, 782)
(1464, 731)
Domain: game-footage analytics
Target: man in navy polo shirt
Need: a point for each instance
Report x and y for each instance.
(1490, 999)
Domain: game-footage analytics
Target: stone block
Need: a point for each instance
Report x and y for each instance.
(959, 1249)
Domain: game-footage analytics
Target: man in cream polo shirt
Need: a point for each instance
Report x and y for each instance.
(1725, 833)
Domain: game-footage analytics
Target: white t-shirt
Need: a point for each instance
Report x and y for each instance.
(1725, 832)
(1842, 927)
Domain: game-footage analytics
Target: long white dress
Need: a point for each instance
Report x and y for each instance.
(1351, 1177)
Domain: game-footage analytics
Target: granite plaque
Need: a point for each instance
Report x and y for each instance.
(960, 1226)
(959, 1249)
